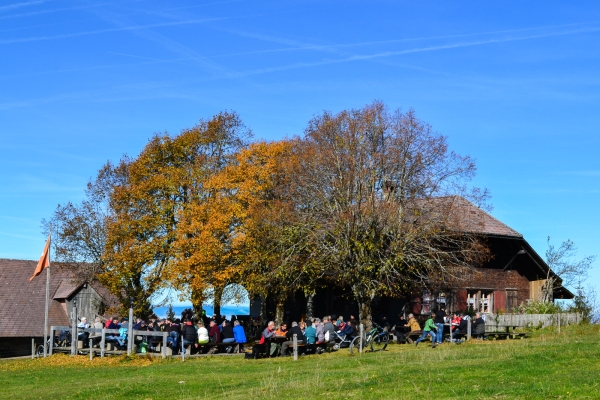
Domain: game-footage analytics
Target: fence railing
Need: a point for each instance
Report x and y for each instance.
(102, 337)
(494, 321)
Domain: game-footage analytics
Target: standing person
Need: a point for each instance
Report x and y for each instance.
(413, 324)
(439, 321)
(429, 329)
(239, 334)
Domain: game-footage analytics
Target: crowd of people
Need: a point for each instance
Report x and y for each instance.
(182, 332)
(315, 335)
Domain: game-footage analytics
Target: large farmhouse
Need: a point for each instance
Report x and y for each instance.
(514, 274)
(22, 303)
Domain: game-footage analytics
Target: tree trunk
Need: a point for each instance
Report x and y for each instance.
(197, 302)
(310, 305)
(217, 294)
(364, 313)
(263, 310)
(548, 290)
(279, 310)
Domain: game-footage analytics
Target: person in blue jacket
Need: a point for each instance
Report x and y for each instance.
(239, 334)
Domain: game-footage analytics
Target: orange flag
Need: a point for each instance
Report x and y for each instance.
(44, 260)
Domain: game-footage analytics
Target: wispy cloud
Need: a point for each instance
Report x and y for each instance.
(108, 30)
(15, 6)
(52, 10)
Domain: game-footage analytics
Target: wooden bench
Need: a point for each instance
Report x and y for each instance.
(412, 336)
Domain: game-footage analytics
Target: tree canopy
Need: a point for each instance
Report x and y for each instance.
(356, 201)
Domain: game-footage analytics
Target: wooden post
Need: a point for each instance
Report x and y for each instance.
(74, 336)
(163, 348)
(33, 348)
(360, 348)
(130, 335)
(295, 340)
(469, 329)
(91, 350)
(51, 340)
(103, 343)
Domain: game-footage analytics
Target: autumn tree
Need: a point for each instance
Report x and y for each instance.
(247, 233)
(368, 182)
(166, 178)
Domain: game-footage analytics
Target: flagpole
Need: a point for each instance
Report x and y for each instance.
(46, 312)
(47, 295)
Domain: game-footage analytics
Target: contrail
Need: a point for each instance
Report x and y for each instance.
(19, 5)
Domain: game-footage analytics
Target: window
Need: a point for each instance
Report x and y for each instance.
(480, 300)
(511, 299)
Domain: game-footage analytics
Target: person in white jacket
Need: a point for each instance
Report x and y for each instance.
(202, 333)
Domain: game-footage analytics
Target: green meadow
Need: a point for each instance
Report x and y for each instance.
(545, 365)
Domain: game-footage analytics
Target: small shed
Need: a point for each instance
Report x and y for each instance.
(22, 303)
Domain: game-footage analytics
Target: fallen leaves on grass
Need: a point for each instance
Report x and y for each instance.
(64, 361)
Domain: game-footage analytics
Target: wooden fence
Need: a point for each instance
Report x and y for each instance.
(495, 321)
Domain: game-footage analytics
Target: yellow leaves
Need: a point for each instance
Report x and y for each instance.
(66, 361)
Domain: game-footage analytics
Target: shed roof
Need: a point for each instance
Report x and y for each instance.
(22, 302)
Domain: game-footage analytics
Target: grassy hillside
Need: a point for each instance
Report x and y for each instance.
(547, 365)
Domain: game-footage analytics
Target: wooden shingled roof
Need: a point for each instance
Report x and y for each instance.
(459, 213)
(22, 302)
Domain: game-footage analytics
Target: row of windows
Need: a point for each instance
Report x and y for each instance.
(477, 300)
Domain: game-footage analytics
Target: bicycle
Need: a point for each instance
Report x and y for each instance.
(377, 338)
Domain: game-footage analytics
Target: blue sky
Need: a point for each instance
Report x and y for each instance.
(515, 85)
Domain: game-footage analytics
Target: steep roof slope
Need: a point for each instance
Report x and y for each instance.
(22, 302)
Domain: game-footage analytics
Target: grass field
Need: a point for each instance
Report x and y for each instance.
(547, 365)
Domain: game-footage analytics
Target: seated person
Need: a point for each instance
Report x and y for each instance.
(188, 335)
(227, 335)
(214, 335)
(239, 334)
(202, 333)
(478, 326)
(122, 338)
(97, 336)
(310, 335)
(400, 329)
(282, 331)
(349, 331)
(83, 336)
(265, 340)
(295, 330)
